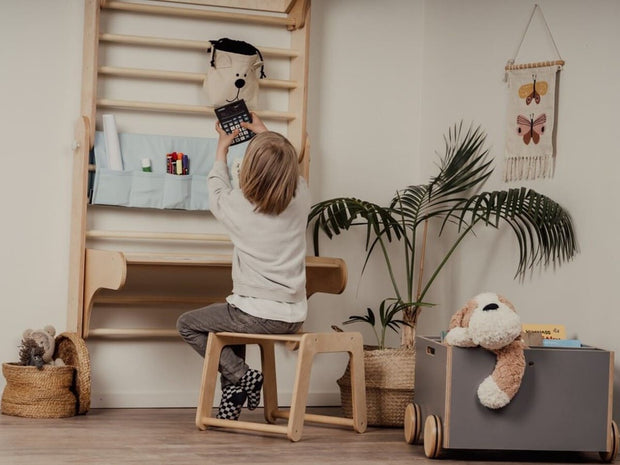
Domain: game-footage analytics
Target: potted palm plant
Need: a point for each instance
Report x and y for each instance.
(543, 229)
(389, 371)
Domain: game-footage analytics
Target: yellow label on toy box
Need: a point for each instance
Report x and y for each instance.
(546, 331)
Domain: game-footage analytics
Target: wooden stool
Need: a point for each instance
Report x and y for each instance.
(309, 344)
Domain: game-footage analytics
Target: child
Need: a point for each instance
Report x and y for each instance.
(266, 220)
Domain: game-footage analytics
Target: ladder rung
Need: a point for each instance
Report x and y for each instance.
(267, 20)
(178, 108)
(202, 45)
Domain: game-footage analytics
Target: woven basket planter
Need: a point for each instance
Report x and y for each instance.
(390, 378)
(35, 393)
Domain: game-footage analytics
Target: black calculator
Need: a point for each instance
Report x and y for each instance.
(231, 116)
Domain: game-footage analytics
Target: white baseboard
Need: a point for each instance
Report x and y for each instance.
(189, 399)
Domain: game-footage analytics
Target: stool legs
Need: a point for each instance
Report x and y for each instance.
(300, 389)
(310, 344)
(270, 387)
(358, 387)
(209, 378)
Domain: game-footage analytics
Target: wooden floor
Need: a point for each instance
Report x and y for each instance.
(168, 436)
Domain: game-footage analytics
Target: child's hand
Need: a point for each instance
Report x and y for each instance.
(256, 126)
(224, 141)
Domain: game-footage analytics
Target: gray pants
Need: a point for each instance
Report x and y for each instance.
(195, 326)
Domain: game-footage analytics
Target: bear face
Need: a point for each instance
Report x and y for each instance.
(233, 73)
(44, 338)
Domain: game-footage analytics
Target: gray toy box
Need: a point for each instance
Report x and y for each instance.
(564, 402)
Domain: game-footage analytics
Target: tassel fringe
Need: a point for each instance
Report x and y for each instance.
(528, 168)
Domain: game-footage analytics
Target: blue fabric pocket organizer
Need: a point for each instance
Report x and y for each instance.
(133, 187)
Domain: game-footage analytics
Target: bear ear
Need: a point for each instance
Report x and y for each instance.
(49, 329)
(27, 333)
(222, 60)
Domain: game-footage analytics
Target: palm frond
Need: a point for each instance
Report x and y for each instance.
(462, 155)
(368, 318)
(543, 229)
(463, 167)
(335, 215)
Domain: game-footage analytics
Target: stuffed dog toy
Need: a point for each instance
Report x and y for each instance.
(490, 321)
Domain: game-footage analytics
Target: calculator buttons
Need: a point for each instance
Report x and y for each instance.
(231, 116)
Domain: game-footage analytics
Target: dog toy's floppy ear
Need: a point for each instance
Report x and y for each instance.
(458, 330)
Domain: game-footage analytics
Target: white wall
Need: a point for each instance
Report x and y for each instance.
(466, 47)
(387, 79)
(39, 95)
(365, 79)
(45, 75)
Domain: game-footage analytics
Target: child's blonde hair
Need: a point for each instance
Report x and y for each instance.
(269, 172)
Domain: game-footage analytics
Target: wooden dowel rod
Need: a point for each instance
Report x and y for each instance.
(201, 45)
(245, 425)
(267, 20)
(197, 78)
(150, 106)
(132, 332)
(178, 108)
(274, 6)
(151, 74)
(539, 64)
(325, 419)
(278, 83)
(101, 234)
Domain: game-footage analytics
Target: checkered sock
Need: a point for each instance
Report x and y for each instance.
(233, 397)
(252, 383)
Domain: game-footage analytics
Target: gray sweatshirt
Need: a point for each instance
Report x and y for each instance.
(269, 251)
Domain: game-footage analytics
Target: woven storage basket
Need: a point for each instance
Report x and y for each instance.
(390, 377)
(54, 391)
(71, 348)
(35, 393)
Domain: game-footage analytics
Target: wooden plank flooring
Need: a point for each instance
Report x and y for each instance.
(169, 437)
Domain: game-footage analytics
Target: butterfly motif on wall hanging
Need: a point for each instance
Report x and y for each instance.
(533, 91)
(530, 128)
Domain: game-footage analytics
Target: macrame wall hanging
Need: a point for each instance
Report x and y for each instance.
(531, 115)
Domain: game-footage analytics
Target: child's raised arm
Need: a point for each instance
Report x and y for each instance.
(224, 141)
(256, 126)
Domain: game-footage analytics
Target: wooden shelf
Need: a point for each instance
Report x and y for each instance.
(105, 269)
(126, 275)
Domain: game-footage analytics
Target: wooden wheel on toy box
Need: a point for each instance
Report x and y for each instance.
(610, 455)
(433, 436)
(413, 423)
